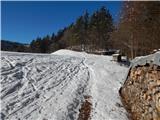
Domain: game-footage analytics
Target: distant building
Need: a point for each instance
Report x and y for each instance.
(116, 57)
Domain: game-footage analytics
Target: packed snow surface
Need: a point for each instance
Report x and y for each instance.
(54, 86)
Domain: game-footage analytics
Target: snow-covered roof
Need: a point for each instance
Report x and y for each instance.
(115, 54)
(153, 58)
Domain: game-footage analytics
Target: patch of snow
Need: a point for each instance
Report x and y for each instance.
(53, 86)
(152, 58)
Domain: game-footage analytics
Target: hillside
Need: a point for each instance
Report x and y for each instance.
(65, 85)
(13, 46)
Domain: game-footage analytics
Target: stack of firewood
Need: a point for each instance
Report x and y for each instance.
(141, 92)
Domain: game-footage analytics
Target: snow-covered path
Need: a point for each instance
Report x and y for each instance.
(54, 86)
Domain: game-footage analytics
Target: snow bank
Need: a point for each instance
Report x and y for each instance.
(75, 53)
(153, 58)
(69, 53)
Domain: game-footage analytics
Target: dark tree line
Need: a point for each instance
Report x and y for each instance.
(14, 46)
(88, 33)
(48, 43)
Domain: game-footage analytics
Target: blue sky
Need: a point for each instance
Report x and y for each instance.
(24, 21)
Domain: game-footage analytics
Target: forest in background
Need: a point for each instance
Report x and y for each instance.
(137, 32)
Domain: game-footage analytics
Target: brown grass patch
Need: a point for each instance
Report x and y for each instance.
(85, 109)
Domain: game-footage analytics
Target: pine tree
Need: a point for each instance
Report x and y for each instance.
(93, 28)
(87, 33)
(45, 44)
(53, 37)
(101, 25)
(79, 31)
(36, 45)
(86, 24)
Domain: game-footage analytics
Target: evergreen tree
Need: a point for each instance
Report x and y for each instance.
(86, 25)
(45, 44)
(36, 45)
(86, 33)
(93, 28)
(79, 31)
(101, 25)
(53, 37)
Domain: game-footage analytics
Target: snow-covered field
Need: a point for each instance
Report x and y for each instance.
(54, 86)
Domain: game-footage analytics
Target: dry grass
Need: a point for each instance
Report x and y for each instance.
(85, 109)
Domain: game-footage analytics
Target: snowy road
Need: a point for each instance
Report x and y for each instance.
(54, 86)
